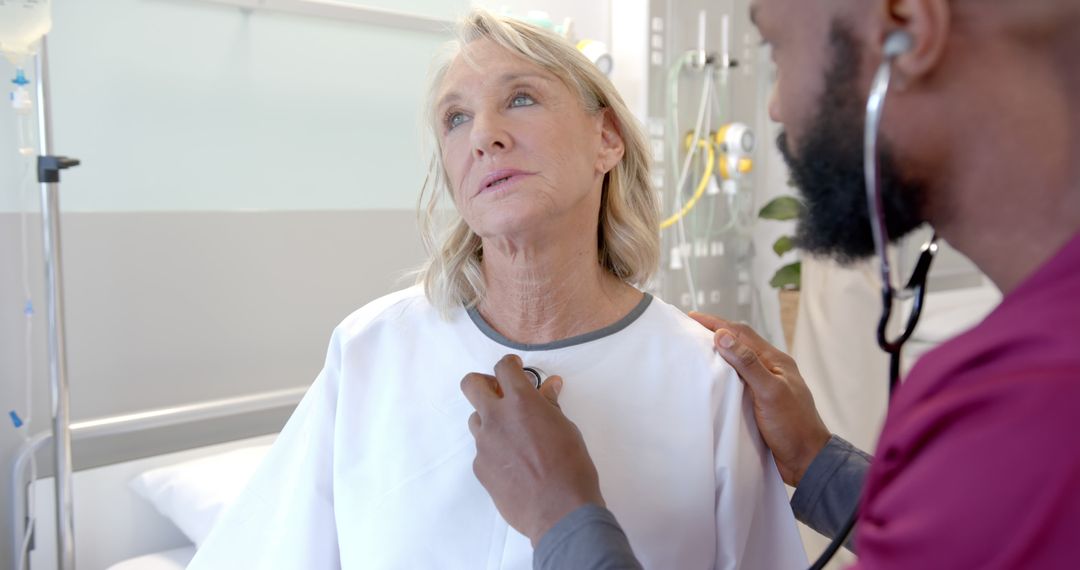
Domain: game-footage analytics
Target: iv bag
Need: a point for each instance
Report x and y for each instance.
(22, 23)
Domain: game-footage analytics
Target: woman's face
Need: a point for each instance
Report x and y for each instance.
(522, 154)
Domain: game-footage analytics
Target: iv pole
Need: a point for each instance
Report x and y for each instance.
(49, 168)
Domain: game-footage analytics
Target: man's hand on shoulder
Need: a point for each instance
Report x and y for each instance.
(783, 405)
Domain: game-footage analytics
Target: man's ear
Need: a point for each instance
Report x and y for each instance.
(928, 24)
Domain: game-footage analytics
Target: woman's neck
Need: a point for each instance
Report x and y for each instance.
(538, 295)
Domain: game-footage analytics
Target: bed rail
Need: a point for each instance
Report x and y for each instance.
(131, 423)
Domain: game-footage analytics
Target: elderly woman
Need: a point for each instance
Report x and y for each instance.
(556, 223)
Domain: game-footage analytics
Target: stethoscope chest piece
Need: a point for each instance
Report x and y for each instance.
(538, 376)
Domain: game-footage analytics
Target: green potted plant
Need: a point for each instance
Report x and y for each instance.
(788, 279)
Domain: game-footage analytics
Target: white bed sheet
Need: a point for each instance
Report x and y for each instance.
(175, 559)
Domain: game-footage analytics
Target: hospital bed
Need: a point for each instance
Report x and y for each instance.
(148, 485)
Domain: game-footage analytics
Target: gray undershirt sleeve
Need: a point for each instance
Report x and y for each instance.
(829, 490)
(589, 538)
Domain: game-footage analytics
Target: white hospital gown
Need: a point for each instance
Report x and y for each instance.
(374, 469)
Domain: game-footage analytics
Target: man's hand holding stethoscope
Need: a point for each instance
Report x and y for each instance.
(525, 443)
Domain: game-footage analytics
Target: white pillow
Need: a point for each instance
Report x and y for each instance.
(192, 494)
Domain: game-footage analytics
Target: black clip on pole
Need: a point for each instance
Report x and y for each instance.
(49, 167)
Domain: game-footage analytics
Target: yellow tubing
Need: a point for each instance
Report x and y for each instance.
(710, 163)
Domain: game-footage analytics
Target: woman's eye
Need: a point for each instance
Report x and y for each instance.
(455, 119)
(521, 100)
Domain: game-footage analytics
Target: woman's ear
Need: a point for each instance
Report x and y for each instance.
(612, 146)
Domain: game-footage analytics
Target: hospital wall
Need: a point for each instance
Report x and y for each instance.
(248, 179)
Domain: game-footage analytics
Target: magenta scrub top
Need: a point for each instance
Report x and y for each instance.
(978, 465)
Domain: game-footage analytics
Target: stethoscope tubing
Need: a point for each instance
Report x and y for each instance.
(917, 284)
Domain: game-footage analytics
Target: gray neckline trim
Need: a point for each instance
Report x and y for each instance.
(609, 330)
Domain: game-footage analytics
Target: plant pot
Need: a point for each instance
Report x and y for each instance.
(789, 313)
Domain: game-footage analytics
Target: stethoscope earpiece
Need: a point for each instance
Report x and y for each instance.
(898, 43)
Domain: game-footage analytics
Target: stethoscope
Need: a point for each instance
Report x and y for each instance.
(896, 44)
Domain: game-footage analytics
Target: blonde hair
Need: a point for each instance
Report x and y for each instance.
(628, 232)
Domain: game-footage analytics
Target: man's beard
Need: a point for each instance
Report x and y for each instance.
(828, 169)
